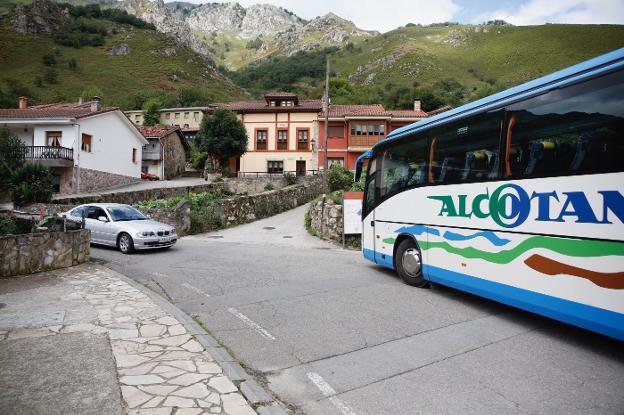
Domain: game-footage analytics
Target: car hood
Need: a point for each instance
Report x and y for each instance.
(144, 225)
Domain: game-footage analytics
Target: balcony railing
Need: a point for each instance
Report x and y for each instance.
(49, 153)
(365, 140)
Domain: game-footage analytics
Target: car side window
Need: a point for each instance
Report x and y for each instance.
(77, 212)
(94, 212)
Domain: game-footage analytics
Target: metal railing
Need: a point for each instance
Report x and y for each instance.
(49, 152)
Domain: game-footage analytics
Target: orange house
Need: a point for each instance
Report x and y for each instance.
(354, 129)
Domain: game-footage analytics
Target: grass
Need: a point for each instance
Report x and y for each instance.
(123, 80)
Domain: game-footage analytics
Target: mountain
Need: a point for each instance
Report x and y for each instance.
(442, 64)
(51, 55)
(234, 36)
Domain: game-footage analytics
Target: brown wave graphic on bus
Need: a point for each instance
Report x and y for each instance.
(612, 280)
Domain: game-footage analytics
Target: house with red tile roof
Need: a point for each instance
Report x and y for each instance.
(354, 129)
(87, 146)
(282, 132)
(165, 153)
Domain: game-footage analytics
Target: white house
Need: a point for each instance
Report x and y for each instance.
(87, 146)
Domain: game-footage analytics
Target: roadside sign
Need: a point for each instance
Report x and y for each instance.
(352, 213)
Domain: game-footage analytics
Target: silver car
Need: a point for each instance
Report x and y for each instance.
(122, 226)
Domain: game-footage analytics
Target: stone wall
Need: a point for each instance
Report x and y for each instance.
(42, 251)
(326, 219)
(174, 155)
(179, 217)
(243, 209)
(136, 196)
(91, 180)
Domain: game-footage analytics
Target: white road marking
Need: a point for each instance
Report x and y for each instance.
(257, 327)
(330, 393)
(158, 274)
(195, 289)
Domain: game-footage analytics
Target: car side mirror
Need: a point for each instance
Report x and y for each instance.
(102, 219)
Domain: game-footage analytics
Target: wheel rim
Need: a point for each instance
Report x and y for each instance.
(124, 243)
(411, 262)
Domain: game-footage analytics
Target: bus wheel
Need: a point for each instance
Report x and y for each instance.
(409, 263)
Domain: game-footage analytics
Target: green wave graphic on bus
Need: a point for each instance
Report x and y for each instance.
(569, 247)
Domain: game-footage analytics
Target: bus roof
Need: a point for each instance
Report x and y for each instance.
(594, 66)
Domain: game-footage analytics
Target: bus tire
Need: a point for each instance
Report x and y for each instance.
(409, 263)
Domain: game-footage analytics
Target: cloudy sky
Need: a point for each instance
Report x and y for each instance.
(386, 15)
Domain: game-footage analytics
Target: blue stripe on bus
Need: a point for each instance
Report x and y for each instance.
(592, 318)
(609, 323)
(382, 259)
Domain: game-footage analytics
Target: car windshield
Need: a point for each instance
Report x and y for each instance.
(125, 213)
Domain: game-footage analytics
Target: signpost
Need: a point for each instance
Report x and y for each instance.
(351, 214)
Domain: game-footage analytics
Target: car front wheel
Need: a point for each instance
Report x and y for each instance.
(125, 243)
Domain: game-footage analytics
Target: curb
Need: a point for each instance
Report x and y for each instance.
(260, 400)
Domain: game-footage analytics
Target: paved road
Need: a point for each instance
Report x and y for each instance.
(334, 334)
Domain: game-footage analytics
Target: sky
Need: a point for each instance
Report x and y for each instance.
(386, 15)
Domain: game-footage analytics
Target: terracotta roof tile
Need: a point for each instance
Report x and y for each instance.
(372, 110)
(306, 105)
(157, 131)
(58, 110)
(408, 113)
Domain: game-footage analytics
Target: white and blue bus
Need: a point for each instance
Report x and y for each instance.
(517, 197)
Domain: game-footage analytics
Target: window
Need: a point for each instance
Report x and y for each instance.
(335, 160)
(137, 118)
(466, 151)
(168, 116)
(273, 103)
(196, 116)
(134, 155)
(144, 169)
(77, 213)
(94, 212)
(186, 115)
(177, 115)
(335, 131)
(403, 165)
(53, 138)
(574, 130)
(371, 196)
(282, 139)
(261, 139)
(367, 129)
(86, 143)
(275, 166)
(186, 126)
(303, 140)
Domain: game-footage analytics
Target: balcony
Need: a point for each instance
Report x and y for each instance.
(359, 142)
(50, 156)
(151, 155)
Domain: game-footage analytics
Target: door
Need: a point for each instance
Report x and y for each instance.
(301, 168)
(97, 227)
(368, 213)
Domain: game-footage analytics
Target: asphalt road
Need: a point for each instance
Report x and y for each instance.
(332, 333)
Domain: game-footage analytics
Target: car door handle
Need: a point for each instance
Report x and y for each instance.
(372, 223)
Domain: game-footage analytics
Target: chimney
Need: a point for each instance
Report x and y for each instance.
(95, 104)
(23, 103)
(80, 100)
(417, 104)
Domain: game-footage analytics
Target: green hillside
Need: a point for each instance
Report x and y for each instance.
(155, 67)
(452, 64)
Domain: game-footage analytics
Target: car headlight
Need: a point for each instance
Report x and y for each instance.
(173, 231)
(145, 234)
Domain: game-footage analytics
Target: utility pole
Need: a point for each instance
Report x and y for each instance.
(326, 105)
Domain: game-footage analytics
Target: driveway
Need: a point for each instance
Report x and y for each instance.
(331, 333)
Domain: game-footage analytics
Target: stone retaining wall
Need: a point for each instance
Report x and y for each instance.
(42, 251)
(326, 219)
(244, 209)
(255, 185)
(179, 217)
(92, 180)
(136, 196)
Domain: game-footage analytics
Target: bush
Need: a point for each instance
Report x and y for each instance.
(290, 179)
(72, 64)
(8, 226)
(268, 187)
(339, 178)
(51, 76)
(198, 159)
(48, 59)
(218, 180)
(31, 183)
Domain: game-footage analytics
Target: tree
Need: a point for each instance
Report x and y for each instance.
(51, 76)
(222, 135)
(150, 112)
(31, 183)
(12, 152)
(92, 91)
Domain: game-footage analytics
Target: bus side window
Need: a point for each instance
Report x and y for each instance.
(403, 165)
(467, 150)
(371, 196)
(574, 130)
